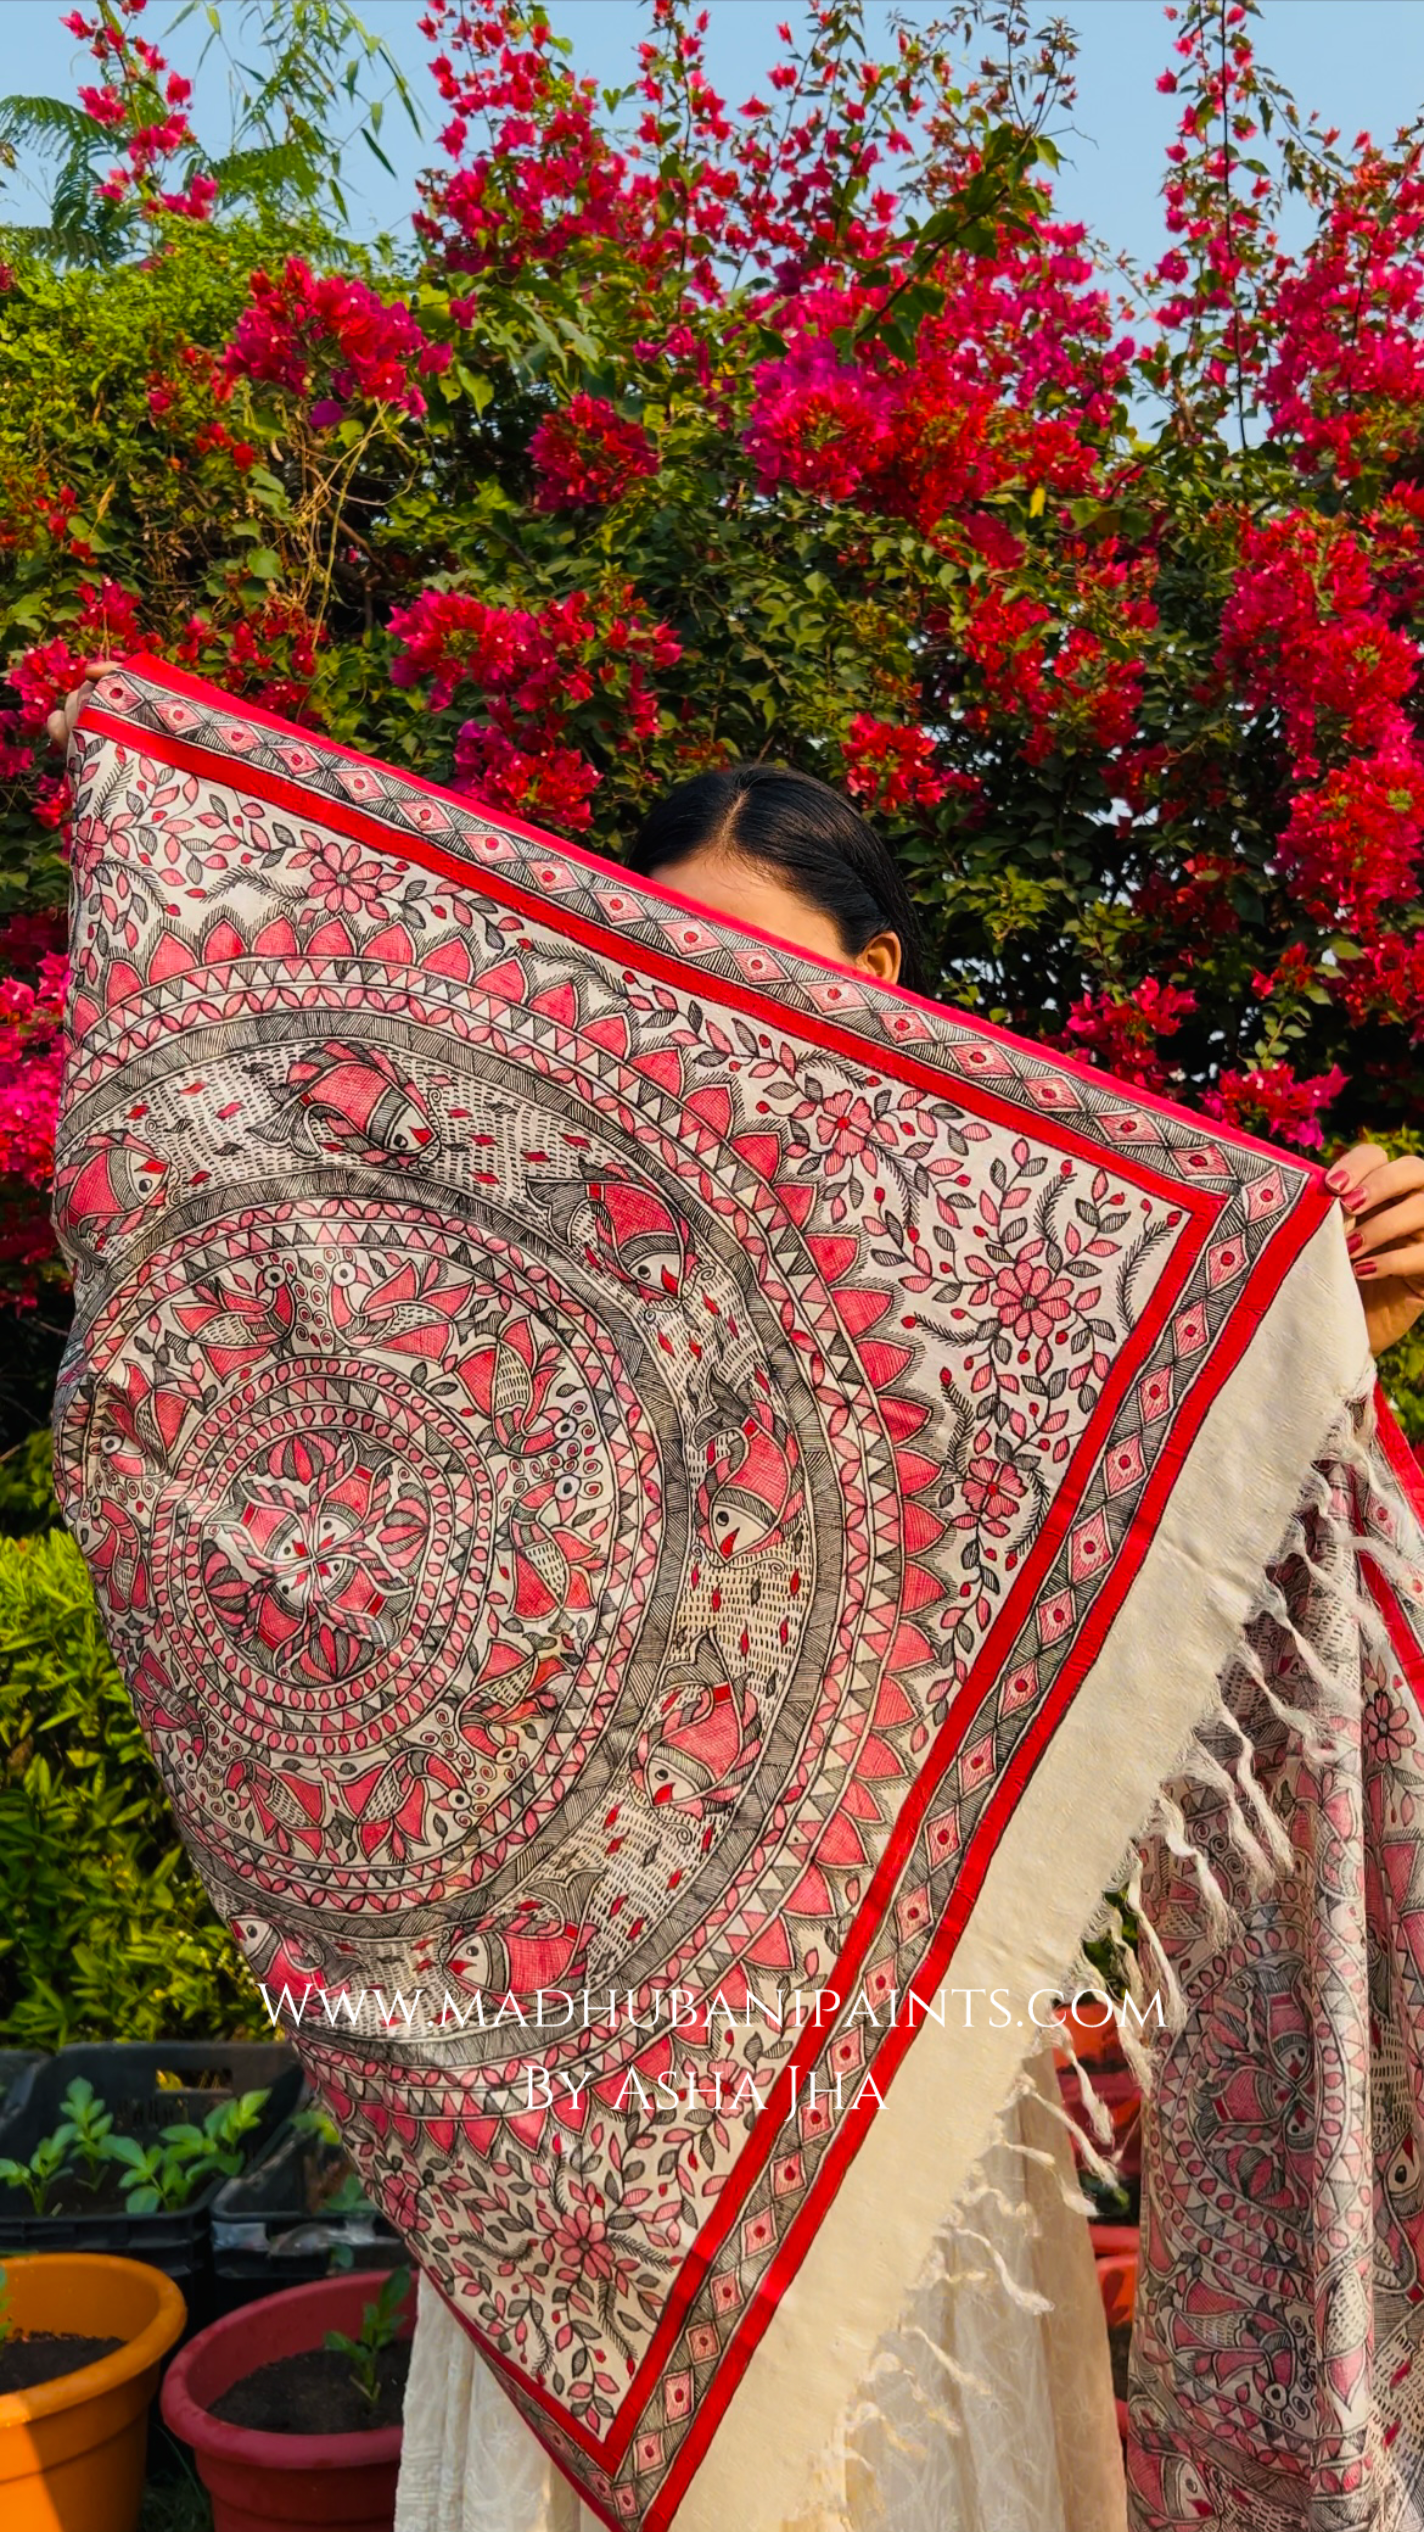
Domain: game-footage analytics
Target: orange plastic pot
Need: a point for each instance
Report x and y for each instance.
(72, 2450)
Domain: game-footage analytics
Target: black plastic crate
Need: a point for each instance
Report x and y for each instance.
(268, 2232)
(15, 2062)
(124, 2073)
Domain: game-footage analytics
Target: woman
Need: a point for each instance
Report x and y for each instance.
(784, 854)
(1011, 2381)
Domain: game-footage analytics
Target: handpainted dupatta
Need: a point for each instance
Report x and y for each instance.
(626, 1465)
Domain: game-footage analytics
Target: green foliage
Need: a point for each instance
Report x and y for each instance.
(380, 2328)
(324, 80)
(164, 2174)
(341, 2193)
(38, 2176)
(104, 1930)
(86, 2130)
(27, 1501)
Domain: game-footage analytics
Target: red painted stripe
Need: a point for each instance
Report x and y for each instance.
(1405, 1469)
(1408, 1474)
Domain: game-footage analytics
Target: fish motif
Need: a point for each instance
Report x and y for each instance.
(111, 1544)
(351, 1102)
(540, 1943)
(164, 1706)
(752, 1490)
(624, 1228)
(697, 1753)
(116, 1179)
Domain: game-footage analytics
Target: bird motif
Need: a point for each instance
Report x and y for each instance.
(548, 1557)
(288, 1808)
(391, 1804)
(406, 1312)
(511, 1377)
(239, 1321)
(513, 1690)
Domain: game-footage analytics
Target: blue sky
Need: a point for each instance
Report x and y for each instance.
(1360, 61)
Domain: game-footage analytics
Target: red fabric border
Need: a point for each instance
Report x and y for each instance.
(1409, 1477)
(362, 828)
(159, 672)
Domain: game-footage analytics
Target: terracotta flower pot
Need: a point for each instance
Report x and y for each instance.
(257, 2481)
(1117, 2284)
(1114, 2241)
(72, 2450)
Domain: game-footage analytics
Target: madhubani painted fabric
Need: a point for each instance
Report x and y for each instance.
(622, 1460)
(1277, 2365)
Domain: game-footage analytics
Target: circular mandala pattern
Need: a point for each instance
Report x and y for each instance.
(410, 1503)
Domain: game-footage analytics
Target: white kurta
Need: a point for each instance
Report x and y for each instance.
(985, 2413)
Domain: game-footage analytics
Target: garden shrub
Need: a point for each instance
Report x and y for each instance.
(104, 1929)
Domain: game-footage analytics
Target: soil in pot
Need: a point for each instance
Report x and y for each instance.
(73, 2195)
(314, 2394)
(41, 2356)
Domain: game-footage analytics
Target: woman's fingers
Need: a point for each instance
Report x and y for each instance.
(1384, 1186)
(1353, 1178)
(1380, 1229)
(1401, 1265)
(60, 724)
(1383, 1205)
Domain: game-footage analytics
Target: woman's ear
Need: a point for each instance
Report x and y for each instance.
(880, 958)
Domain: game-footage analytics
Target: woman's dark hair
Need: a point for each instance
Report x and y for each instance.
(802, 830)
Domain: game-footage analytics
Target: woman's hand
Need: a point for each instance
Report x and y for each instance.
(1383, 1202)
(60, 725)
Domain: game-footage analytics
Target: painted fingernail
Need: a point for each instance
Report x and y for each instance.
(1365, 1266)
(1356, 1200)
(1355, 1242)
(1339, 1179)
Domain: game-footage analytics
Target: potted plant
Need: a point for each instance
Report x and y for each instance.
(247, 2392)
(298, 2211)
(81, 2341)
(122, 2147)
(1117, 2284)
